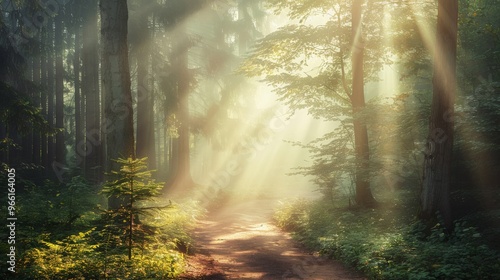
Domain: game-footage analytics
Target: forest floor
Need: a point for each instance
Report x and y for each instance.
(239, 241)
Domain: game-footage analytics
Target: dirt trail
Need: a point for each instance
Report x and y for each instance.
(240, 242)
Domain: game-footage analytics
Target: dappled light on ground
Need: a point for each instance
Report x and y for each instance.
(244, 244)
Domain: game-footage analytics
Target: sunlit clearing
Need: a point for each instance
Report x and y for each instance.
(255, 163)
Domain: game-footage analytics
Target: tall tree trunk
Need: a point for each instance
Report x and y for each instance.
(59, 83)
(145, 143)
(181, 157)
(90, 89)
(116, 84)
(364, 195)
(43, 97)
(37, 100)
(79, 135)
(27, 137)
(50, 94)
(435, 193)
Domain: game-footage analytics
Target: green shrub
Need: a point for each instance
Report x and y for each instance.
(81, 257)
(55, 205)
(382, 246)
(291, 214)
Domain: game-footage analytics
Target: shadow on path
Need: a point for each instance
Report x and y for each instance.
(240, 242)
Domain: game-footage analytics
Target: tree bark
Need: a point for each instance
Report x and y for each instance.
(50, 95)
(145, 143)
(364, 195)
(37, 100)
(90, 89)
(43, 98)
(435, 193)
(27, 137)
(79, 127)
(59, 90)
(116, 84)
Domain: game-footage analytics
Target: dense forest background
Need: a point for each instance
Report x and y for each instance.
(122, 121)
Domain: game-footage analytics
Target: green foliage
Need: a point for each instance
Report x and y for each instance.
(19, 111)
(70, 258)
(61, 236)
(289, 214)
(308, 64)
(382, 245)
(133, 181)
(173, 225)
(133, 185)
(57, 205)
(81, 257)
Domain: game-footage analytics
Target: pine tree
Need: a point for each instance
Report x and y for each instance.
(133, 183)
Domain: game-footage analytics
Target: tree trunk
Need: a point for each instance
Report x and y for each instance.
(181, 164)
(90, 89)
(116, 84)
(145, 145)
(59, 83)
(79, 135)
(435, 193)
(43, 98)
(50, 95)
(364, 195)
(37, 100)
(27, 137)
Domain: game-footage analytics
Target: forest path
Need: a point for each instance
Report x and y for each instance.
(239, 241)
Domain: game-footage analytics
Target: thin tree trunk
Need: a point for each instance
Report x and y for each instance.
(79, 135)
(27, 138)
(50, 94)
(60, 145)
(90, 89)
(364, 195)
(37, 100)
(43, 98)
(145, 145)
(435, 194)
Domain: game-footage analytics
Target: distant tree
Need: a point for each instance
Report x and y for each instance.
(435, 196)
(21, 121)
(60, 146)
(50, 87)
(140, 38)
(91, 92)
(76, 22)
(178, 83)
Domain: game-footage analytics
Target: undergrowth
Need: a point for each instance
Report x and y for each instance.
(93, 255)
(384, 244)
(61, 235)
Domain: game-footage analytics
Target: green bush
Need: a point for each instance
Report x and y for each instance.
(60, 206)
(382, 246)
(291, 214)
(78, 257)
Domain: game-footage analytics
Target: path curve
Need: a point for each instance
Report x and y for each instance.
(240, 242)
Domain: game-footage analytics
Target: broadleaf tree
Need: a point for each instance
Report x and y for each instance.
(308, 65)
